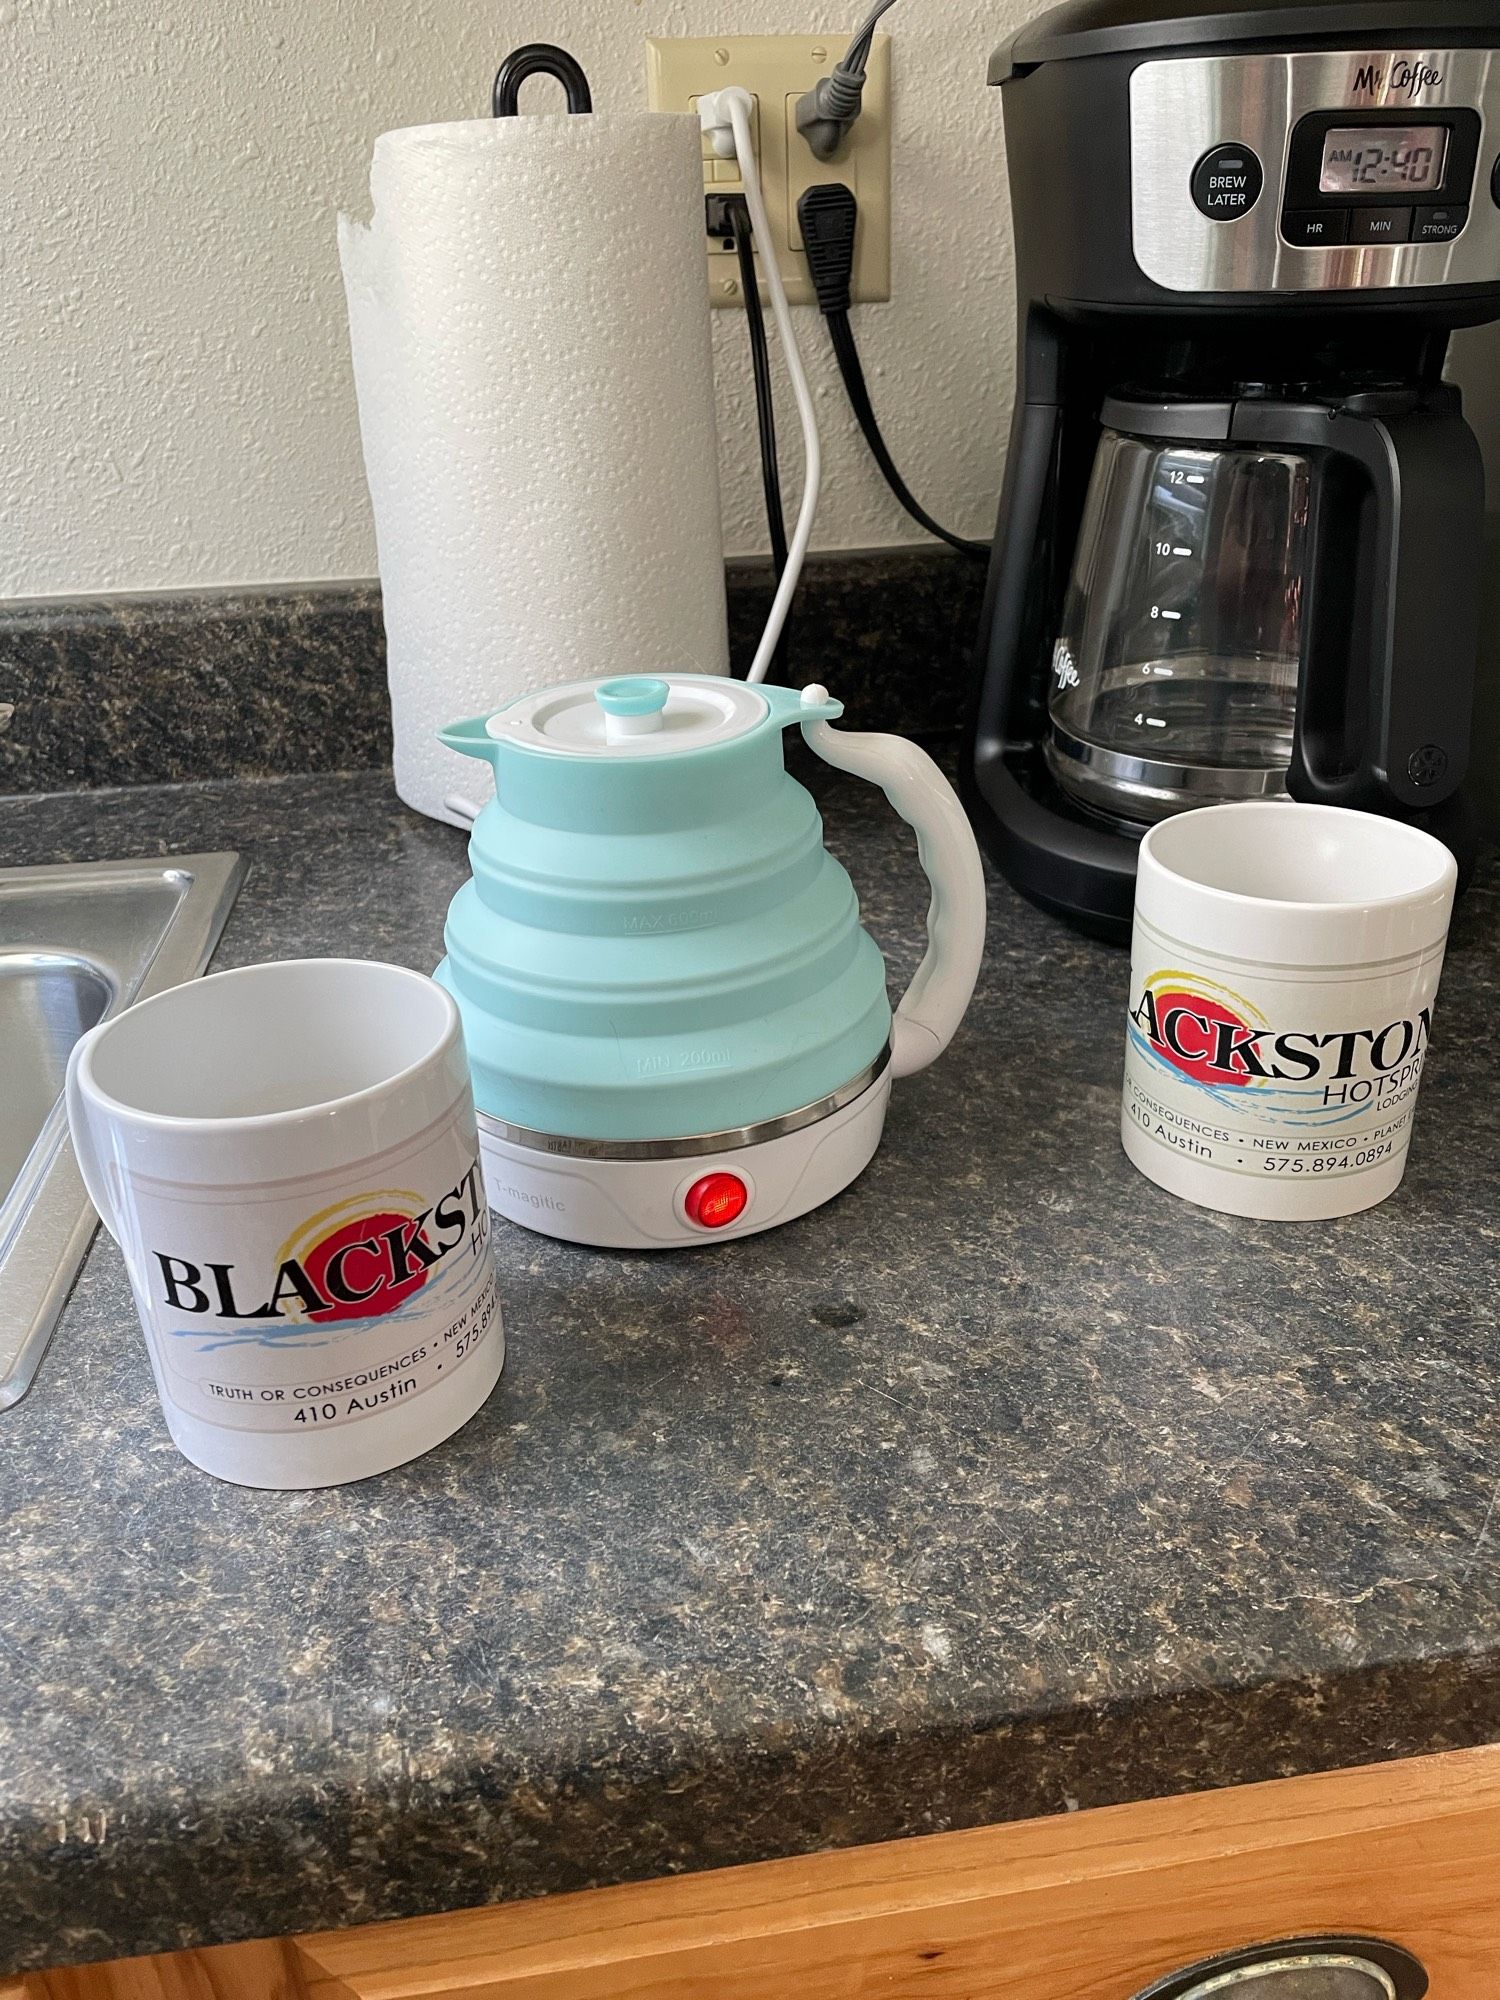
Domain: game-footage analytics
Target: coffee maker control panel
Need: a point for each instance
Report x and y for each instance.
(1317, 172)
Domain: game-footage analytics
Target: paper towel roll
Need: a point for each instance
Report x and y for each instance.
(529, 321)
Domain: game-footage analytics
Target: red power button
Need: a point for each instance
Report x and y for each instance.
(716, 1201)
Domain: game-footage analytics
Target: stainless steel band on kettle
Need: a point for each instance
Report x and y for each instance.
(699, 1145)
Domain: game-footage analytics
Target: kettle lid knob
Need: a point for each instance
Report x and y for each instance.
(632, 706)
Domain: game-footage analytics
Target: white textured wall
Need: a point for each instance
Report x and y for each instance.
(177, 407)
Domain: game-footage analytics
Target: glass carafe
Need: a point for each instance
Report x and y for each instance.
(1174, 677)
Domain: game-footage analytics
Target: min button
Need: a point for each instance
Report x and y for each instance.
(1227, 183)
(1381, 225)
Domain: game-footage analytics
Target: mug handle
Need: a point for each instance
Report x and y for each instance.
(937, 999)
(84, 1150)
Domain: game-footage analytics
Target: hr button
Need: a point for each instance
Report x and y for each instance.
(1227, 183)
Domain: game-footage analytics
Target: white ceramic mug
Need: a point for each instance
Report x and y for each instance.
(1284, 969)
(287, 1156)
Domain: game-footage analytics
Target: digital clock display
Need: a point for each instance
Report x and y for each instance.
(1381, 159)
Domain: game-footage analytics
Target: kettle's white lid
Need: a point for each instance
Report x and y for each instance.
(634, 716)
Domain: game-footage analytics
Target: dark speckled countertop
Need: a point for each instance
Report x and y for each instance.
(1002, 1486)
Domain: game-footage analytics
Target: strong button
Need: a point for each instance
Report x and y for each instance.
(1228, 182)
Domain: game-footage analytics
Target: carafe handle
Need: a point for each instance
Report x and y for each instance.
(1388, 724)
(935, 1002)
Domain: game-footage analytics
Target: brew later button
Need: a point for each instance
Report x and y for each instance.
(1227, 183)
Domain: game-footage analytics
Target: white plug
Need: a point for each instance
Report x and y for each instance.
(713, 116)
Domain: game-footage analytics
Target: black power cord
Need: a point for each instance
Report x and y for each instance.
(729, 215)
(828, 215)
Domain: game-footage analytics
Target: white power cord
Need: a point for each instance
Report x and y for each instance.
(725, 117)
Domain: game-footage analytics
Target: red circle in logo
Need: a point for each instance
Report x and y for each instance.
(1188, 1035)
(354, 1267)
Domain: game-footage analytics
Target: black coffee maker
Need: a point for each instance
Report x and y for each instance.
(1241, 536)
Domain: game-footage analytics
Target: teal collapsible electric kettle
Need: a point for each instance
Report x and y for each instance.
(678, 1029)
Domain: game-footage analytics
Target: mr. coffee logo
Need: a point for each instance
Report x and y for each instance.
(359, 1260)
(1407, 79)
(1219, 1040)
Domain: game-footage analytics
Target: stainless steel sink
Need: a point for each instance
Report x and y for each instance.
(77, 944)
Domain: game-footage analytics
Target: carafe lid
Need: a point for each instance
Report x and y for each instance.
(638, 716)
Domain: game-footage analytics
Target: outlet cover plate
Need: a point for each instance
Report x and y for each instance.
(776, 70)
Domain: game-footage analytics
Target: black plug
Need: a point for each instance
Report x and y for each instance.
(827, 215)
(723, 214)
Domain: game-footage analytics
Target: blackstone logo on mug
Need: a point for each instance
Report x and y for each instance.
(367, 1301)
(1243, 1087)
(1205, 1038)
(385, 1243)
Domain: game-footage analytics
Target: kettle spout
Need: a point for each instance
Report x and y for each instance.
(471, 739)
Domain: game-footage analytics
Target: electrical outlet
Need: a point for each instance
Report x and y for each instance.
(776, 70)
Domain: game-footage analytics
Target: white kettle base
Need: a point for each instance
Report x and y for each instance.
(649, 1203)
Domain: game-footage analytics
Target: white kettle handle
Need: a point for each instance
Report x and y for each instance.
(935, 1002)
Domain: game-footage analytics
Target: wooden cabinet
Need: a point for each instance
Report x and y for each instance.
(1088, 1906)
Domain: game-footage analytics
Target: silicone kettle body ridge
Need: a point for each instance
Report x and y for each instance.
(677, 1026)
